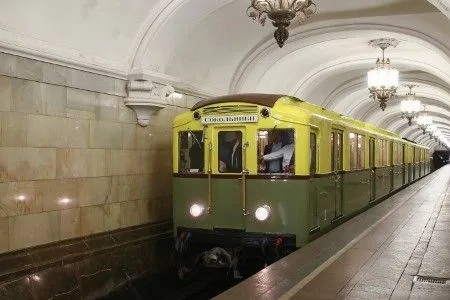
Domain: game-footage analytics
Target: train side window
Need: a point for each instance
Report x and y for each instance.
(336, 151)
(313, 146)
(356, 151)
(276, 151)
(382, 153)
(191, 153)
(230, 152)
(361, 151)
(394, 153)
(371, 152)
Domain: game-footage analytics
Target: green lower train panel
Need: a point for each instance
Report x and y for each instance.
(298, 205)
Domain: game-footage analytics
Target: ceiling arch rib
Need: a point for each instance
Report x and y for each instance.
(265, 54)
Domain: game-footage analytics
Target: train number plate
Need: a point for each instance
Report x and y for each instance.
(229, 119)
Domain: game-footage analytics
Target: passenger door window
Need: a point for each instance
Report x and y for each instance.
(230, 152)
(191, 155)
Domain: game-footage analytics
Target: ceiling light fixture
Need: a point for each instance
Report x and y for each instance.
(424, 120)
(410, 107)
(281, 13)
(382, 80)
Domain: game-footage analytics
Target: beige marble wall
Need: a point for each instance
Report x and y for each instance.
(73, 161)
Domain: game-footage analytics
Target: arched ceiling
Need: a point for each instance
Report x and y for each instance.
(212, 47)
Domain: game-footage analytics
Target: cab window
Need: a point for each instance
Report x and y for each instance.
(191, 158)
(276, 151)
(230, 152)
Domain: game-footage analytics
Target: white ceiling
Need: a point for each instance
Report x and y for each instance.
(212, 47)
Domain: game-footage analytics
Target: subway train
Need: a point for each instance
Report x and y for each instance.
(264, 174)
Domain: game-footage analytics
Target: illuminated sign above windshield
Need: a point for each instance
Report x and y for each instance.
(229, 119)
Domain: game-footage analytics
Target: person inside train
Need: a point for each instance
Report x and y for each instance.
(275, 144)
(230, 152)
(286, 153)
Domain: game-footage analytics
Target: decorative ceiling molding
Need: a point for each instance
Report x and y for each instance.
(442, 5)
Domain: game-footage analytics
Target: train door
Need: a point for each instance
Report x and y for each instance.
(414, 164)
(405, 167)
(228, 192)
(391, 165)
(336, 170)
(372, 168)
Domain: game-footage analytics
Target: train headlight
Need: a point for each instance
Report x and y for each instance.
(196, 210)
(262, 213)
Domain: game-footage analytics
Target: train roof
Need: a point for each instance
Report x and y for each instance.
(260, 99)
(270, 100)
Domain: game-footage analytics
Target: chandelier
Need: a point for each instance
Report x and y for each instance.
(424, 121)
(432, 131)
(382, 80)
(410, 107)
(281, 13)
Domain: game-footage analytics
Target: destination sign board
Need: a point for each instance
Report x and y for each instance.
(229, 119)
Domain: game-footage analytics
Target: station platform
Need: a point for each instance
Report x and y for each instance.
(398, 249)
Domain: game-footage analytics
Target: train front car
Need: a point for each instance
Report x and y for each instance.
(236, 160)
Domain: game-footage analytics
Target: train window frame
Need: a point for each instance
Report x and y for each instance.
(394, 153)
(313, 153)
(260, 152)
(336, 141)
(357, 150)
(220, 163)
(195, 140)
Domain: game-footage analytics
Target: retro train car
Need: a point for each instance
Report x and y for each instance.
(263, 170)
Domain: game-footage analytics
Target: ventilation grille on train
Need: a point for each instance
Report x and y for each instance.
(223, 110)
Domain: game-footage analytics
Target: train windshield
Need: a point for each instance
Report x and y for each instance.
(191, 156)
(276, 151)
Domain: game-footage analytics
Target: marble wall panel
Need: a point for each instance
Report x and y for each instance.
(7, 63)
(129, 188)
(126, 114)
(5, 93)
(130, 214)
(4, 234)
(19, 164)
(107, 108)
(91, 220)
(90, 81)
(129, 136)
(81, 100)
(14, 129)
(54, 74)
(80, 114)
(105, 135)
(70, 223)
(34, 229)
(72, 163)
(124, 162)
(72, 158)
(38, 98)
(28, 69)
(58, 194)
(112, 215)
(148, 159)
(20, 198)
(96, 191)
(54, 100)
